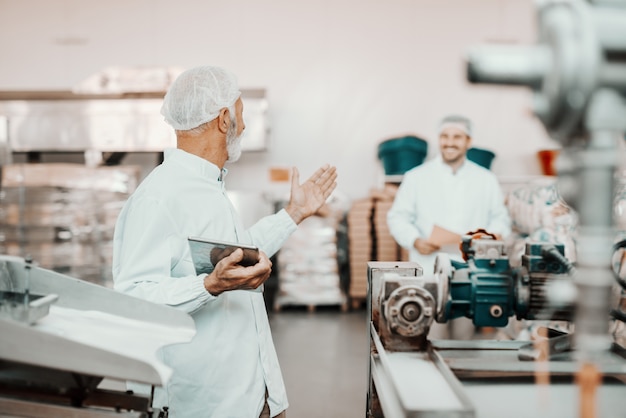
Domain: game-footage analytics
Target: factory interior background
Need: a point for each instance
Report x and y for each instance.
(337, 79)
(340, 76)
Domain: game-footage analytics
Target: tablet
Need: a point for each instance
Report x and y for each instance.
(206, 253)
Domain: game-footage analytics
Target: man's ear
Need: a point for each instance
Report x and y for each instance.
(223, 120)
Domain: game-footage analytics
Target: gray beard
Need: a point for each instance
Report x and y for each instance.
(233, 142)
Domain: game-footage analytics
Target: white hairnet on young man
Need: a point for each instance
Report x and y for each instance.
(456, 121)
(198, 95)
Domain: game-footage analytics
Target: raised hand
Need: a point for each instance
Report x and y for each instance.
(308, 197)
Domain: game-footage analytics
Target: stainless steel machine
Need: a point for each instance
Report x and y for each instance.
(68, 346)
(577, 71)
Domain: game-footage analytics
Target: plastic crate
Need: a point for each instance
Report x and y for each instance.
(398, 155)
(482, 157)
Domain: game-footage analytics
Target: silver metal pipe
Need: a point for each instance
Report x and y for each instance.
(596, 175)
(508, 64)
(594, 278)
(613, 76)
(592, 339)
(609, 27)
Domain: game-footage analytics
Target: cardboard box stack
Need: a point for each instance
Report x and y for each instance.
(360, 245)
(386, 247)
(369, 238)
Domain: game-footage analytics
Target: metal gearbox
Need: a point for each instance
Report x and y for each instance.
(402, 302)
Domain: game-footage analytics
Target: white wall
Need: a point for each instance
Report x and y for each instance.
(341, 75)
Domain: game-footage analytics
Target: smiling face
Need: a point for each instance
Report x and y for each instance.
(453, 144)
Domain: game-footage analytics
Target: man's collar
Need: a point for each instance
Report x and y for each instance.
(196, 164)
(447, 166)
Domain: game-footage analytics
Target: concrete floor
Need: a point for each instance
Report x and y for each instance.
(323, 357)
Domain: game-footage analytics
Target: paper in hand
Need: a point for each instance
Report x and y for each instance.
(442, 237)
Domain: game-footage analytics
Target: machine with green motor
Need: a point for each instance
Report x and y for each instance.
(487, 289)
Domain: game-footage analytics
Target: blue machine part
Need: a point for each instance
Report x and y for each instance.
(489, 291)
(483, 290)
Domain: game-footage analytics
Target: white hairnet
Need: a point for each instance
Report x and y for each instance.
(456, 121)
(198, 95)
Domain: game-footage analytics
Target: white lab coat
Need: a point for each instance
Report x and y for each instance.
(431, 194)
(225, 369)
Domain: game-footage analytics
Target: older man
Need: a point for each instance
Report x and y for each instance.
(230, 368)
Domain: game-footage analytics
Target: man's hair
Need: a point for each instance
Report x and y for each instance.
(199, 130)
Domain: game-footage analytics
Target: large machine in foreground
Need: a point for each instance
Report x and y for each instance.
(68, 346)
(412, 376)
(577, 72)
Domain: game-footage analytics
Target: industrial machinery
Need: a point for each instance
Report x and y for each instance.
(68, 346)
(577, 71)
(412, 376)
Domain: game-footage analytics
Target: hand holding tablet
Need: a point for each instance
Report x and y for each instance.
(206, 253)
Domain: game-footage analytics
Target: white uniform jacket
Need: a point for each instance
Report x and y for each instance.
(224, 371)
(431, 194)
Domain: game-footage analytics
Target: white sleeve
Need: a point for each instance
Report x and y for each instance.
(401, 218)
(146, 247)
(271, 232)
